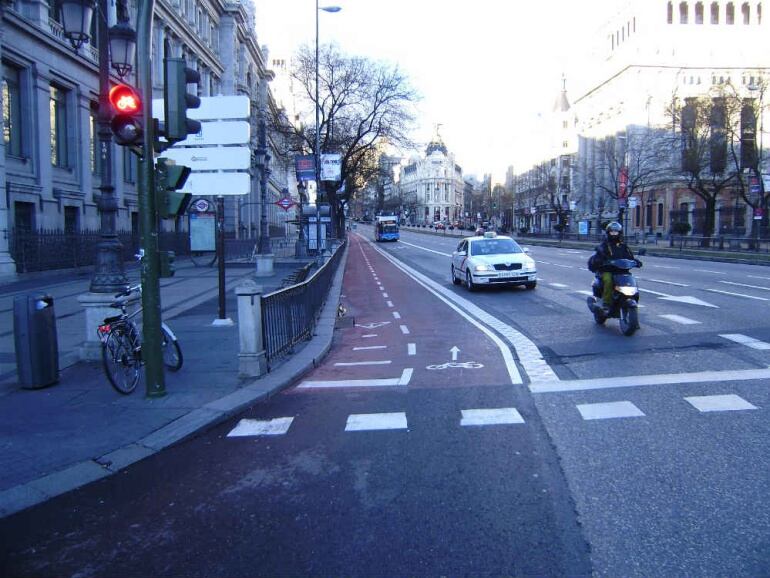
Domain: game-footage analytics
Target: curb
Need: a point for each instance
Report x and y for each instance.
(34, 492)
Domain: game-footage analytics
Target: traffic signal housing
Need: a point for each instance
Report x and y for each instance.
(177, 101)
(169, 178)
(126, 122)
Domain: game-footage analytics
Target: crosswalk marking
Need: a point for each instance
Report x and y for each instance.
(354, 363)
(404, 329)
(497, 416)
(746, 340)
(411, 349)
(396, 315)
(376, 421)
(610, 410)
(255, 427)
(709, 403)
(680, 319)
(406, 376)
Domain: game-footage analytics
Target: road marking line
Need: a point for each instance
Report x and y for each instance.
(644, 380)
(396, 315)
(610, 410)
(406, 376)
(681, 320)
(499, 416)
(255, 427)
(376, 421)
(544, 262)
(666, 282)
(411, 349)
(746, 285)
(757, 277)
(716, 272)
(584, 292)
(559, 285)
(370, 335)
(385, 295)
(354, 363)
(729, 402)
(564, 266)
(426, 249)
(390, 303)
(404, 329)
(738, 294)
(370, 347)
(659, 294)
(746, 340)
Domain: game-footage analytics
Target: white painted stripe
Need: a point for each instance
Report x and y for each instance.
(544, 262)
(666, 282)
(411, 349)
(376, 421)
(385, 295)
(502, 415)
(644, 380)
(746, 340)
(396, 315)
(406, 376)
(445, 295)
(255, 427)
(370, 347)
(426, 249)
(390, 303)
(584, 292)
(610, 410)
(737, 294)
(563, 266)
(746, 285)
(404, 329)
(716, 272)
(559, 285)
(679, 319)
(655, 292)
(730, 402)
(757, 277)
(354, 363)
(370, 335)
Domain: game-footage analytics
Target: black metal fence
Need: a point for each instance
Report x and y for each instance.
(289, 315)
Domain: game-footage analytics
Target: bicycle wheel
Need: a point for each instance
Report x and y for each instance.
(172, 353)
(120, 363)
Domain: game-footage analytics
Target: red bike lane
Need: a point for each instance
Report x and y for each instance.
(403, 334)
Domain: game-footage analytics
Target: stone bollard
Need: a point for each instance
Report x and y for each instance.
(252, 361)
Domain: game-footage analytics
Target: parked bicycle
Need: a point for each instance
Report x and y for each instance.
(122, 345)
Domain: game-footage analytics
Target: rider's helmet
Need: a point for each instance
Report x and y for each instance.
(614, 232)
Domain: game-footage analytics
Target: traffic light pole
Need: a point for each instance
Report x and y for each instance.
(150, 266)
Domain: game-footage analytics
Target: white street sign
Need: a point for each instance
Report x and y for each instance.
(228, 132)
(217, 184)
(633, 202)
(211, 108)
(211, 158)
(331, 167)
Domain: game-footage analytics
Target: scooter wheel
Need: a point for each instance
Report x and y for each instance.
(629, 321)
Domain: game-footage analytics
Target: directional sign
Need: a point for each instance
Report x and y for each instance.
(212, 108)
(221, 184)
(210, 158)
(226, 132)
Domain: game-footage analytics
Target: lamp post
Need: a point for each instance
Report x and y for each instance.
(300, 248)
(760, 88)
(116, 45)
(650, 204)
(331, 9)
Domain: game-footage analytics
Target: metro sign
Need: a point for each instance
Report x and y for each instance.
(285, 203)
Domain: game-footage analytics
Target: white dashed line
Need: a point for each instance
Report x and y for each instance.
(411, 349)
(746, 285)
(611, 410)
(666, 282)
(746, 340)
(737, 294)
(376, 421)
(404, 329)
(396, 315)
(559, 285)
(499, 416)
(679, 319)
(390, 303)
(255, 427)
(709, 403)
(354, 363)
(370, 347)
(385, 295)
(369, 335)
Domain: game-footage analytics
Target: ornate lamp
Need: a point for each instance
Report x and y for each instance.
(76, 16)
(122, 48)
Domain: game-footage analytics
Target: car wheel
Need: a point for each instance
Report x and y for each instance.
(455, 280)
(531, 285)
(469, 281)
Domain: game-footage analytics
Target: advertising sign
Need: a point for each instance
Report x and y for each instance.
(202, 231)
(304, 166)
(583, 227)
(331, 167)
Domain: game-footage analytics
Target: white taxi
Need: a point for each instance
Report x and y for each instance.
(492, 260)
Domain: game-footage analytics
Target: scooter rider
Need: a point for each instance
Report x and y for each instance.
(613, 247)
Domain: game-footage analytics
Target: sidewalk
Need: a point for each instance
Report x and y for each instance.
(56, 439)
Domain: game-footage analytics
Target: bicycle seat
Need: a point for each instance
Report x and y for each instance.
(113, 319)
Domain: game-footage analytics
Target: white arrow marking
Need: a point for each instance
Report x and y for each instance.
(454, 351)
(372, 325)
(682, 299)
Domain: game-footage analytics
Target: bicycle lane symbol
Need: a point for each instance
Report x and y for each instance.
(456, 365)
(373, 325)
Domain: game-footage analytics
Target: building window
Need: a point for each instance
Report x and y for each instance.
(670, 14)
(699, 13)
(714, 13)
(637, 216)
(57, 108)
(565, 144)
(746, 12)
(12, 111)
(730, 15)
(660, 214)
(759, 13)
(71, 220)
(684, 12)
(130, 169)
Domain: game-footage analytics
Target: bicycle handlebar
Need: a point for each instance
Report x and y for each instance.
(128, 290)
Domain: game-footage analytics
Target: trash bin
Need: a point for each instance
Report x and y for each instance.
(37, 349)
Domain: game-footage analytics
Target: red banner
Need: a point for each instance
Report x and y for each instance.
(623, 183)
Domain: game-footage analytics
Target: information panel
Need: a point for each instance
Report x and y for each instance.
(203, 232)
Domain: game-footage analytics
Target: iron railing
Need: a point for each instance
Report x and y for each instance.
(289, 315)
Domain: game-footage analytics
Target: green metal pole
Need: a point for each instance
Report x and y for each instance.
(151, 342)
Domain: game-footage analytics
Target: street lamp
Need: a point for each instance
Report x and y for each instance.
(119, 43)
(331, 9)
(650, 204)
(759, 88)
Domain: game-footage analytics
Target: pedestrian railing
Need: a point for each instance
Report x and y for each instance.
(290, 315)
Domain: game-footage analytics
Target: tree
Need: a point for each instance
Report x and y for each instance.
(363, 106)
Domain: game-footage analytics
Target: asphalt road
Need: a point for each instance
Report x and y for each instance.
(448, 433)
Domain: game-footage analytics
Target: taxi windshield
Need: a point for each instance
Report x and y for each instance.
(494, 247)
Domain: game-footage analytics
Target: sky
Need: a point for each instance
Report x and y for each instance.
(488, 71)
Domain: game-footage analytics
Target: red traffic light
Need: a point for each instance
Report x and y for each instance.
(125, 100)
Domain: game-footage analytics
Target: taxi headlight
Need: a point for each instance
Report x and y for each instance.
(626, 290)
(482, 267)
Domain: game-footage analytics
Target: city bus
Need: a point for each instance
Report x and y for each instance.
(386, 228)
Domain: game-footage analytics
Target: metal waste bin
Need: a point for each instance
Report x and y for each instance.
(37, 349)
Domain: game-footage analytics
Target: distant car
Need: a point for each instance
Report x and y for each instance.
(439, 226)
(492, 259)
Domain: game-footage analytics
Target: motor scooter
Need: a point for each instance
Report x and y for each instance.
(625, 296)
